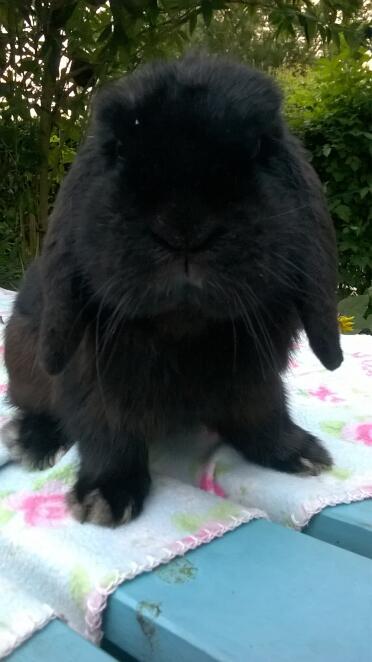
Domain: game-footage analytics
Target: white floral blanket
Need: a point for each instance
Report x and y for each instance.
(51, 566)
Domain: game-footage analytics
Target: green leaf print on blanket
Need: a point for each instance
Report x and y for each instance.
(5, 515)
(80, 585)
(65, 474)
(192, 522)
(340, 473)
(332, 427)
(5, 494)
(222, 468)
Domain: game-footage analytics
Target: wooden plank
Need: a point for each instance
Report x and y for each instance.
(260, 593)
(116, 653)
(348, 526)
(58, 643)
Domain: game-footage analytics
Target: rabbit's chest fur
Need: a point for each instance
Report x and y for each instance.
(153, 384)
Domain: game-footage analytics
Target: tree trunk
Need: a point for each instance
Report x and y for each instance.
(53, 49)
(45, 133)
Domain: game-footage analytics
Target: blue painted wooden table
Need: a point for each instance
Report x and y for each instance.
(58, 643)
(258, 594)
(348, 526)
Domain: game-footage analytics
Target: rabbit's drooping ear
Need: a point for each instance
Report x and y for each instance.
(64, 316)
(317, 301)
(319, 318)
(63, 319)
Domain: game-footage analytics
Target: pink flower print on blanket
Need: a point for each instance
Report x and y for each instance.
(365, 362)
(359, 432)
(293, 364)
(45, 508)
(209, 484)
(208, 481)
(324, 394)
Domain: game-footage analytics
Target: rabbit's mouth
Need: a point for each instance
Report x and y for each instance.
(183, 282)
(180, 277)
(183, 274)
(184, 289)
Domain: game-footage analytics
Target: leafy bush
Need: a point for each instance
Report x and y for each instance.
(19, 227)
(330, 108)
(18, 232)
(360, 309)
(54, 53)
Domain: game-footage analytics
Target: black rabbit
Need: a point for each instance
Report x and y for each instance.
(189, 244)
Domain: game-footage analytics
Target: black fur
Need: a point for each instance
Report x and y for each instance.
(42, 437)
(189, 244)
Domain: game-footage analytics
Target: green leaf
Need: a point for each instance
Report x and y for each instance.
(207, 12)
(367, 323)
(343, 212)
(339, 176)
(68, 155)
(352, 37)
(310, 28)
(65, 13)
(176, 5)
(29, 64)
(354, 162)
(327, 150)
(105, 34)
(355, 306)
(364, 191)
(193, 23)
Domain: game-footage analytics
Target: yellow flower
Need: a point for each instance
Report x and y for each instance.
(346, 324)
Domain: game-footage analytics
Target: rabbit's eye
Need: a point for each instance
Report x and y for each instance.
(113, 150)
(120, 150)
(257, 148)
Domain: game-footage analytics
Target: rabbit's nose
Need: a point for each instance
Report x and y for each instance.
(168, 237)
(190, 240)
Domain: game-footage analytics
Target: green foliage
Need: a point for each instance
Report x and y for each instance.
(53, 53)
(248, 37)
(360, 308)
(18, 161)
(330, 107)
